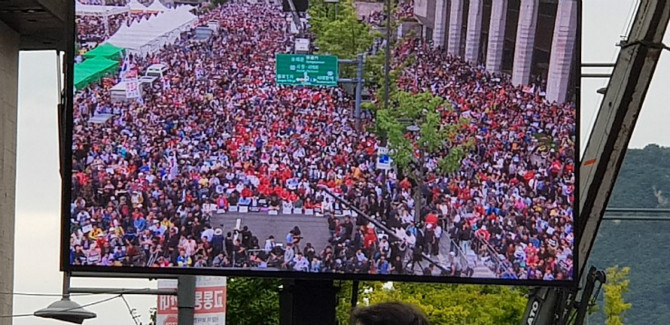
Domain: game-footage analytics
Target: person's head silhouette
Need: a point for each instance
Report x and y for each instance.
(389, 313)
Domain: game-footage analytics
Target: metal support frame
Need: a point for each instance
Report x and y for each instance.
(596, 75)
(616, 119)
(185, 292)
(110, 291)
(597, 65)
(594, 276)
(186, 299)
(296, 18)
(606, 148)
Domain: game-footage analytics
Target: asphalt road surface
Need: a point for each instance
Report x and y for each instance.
(314, 229)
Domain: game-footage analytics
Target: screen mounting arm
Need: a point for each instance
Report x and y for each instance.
(606, 148)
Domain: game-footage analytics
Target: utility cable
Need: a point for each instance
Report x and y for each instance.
(30, 294)
(131, 311)
(64, 310)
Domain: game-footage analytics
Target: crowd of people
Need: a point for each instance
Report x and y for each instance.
(514, 192)
(216, 132)
(404, 10)
(107, 2)
(375, 18)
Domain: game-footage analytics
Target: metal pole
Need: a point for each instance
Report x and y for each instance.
(354, 294)
(418, 196)
(186, 299)
(596, 75)
(296, 19)
(593, 276)
(359, 90)
(66, 284)
(387, 55)
(637, 210)
(612, 130)
(112, 291)
(597, 65)
(614, 125)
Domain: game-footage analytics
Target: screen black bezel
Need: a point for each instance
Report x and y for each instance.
(66, 175)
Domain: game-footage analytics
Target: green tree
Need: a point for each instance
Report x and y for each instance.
(422, 110)
(216, 3)
(253, 301)
(344, 36)
(408, 109)
(453, 304)
(617, 285)
(256, 301)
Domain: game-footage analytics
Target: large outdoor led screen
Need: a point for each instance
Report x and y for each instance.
(217, 140)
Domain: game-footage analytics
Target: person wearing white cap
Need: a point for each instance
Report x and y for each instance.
(208, 233)
(157, 228)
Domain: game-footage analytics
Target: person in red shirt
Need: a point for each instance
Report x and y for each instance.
(431, 218)
(246, 192)
(405, 184)
(483, 233)
(222, 202)
(370, 239)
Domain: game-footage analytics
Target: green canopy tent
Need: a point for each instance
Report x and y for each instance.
(106, 50)
(92, 70)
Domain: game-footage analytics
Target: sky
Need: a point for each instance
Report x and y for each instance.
(38, 179)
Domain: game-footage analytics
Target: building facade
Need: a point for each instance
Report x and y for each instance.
(533, 41)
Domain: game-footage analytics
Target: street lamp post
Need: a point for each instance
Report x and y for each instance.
(418, 196)
(387, 55)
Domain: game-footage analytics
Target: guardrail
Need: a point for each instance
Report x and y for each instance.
(465, 263)
(498, 265)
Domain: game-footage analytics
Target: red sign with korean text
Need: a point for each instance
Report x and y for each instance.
(210, 302)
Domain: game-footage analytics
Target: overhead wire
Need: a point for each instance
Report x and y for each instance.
(69, 309)
(31, 294)
(131, 310)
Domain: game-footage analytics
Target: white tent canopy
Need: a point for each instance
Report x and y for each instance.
(156, 6)
(148, 36)
(97, 10)
(136, 6)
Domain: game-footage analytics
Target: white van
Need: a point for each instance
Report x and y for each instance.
(156, 71)
(118, 92)
(214, 25)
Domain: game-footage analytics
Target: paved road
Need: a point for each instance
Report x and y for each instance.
(314, 229)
